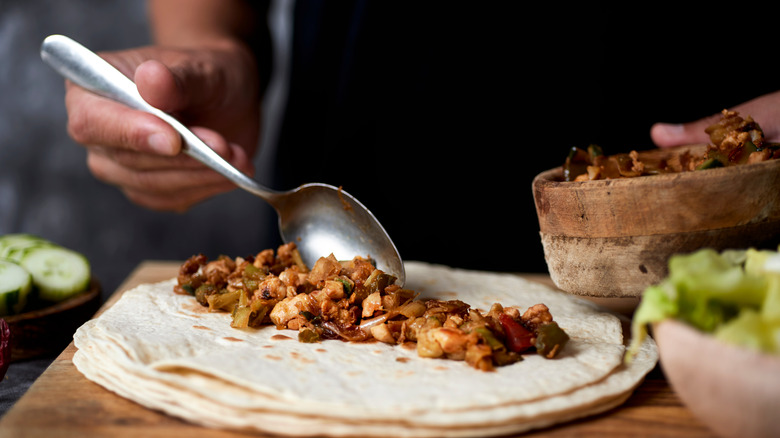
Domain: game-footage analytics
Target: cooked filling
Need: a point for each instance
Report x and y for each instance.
(354, 301)
(734, 141)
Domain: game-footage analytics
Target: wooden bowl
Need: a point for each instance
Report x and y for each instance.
(613, 238)
(50, 329)
(733, 390)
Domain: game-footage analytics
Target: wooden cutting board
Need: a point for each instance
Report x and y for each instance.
(62, 403)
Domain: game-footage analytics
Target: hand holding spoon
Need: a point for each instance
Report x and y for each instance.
(319, 218)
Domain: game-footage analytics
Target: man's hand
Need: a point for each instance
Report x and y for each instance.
(765, 110)
(215, 91)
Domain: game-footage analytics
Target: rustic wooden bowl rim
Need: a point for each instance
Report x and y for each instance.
(553, 177)
(71, 303)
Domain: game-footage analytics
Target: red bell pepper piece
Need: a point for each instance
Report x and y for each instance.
(518, 338)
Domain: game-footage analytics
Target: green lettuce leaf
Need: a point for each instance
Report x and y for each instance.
(734, 294)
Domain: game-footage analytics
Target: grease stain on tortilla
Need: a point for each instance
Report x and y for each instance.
(297, 356)
(201, 327)
(194, 307)
(402, 359)
(232, 339)
(280, 338)
(272, 357)
(321, 350)
(444, 294)
(440, 368)
(429, 282)
(268, 346)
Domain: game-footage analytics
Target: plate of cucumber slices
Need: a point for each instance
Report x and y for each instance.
(46, 292)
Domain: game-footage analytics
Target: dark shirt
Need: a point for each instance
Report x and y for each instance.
(437, 115)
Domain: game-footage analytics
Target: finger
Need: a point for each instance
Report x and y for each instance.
(145, 161)
(678, 134)
(233, 153)
(765, 110)
(159, 87)
(167, 181)
(183, 84)
(164, 179)
(214, 88)
(96, 120)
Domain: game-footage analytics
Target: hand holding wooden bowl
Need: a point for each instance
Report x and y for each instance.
(612, 238)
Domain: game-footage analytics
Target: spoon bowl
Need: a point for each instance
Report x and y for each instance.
(319, 218)
(323, 219)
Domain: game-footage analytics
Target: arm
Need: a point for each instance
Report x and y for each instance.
(232, 24)
(199, 23)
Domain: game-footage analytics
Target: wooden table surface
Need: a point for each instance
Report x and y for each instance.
(62, 403)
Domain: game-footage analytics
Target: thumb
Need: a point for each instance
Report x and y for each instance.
(678, 134)
(178, 87)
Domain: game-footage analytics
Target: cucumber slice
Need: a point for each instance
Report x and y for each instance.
(15, 285)
(16, 250)
(57, 272)
(13, 246)
(11, 239)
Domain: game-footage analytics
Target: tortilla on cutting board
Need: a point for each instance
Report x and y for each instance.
(165, 352)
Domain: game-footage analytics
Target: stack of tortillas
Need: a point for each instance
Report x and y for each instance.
(166, 352)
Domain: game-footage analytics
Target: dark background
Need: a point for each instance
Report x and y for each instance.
(453, 145)
(516, 86)
(451, 108)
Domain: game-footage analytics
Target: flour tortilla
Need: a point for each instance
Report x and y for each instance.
(165, 352)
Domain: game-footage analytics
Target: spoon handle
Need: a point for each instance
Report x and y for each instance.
(88, 70)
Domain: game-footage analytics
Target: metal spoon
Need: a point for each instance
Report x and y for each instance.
(319, 218)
